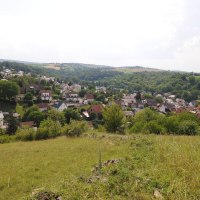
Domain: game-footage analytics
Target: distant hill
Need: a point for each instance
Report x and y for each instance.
(131, 69)
(72, 66)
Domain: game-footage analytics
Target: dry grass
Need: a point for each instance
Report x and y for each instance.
(52, 66)
(136, 69)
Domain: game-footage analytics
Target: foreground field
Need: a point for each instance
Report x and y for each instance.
(29, 165)
(167, 164)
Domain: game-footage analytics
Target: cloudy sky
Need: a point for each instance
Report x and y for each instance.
(157, 33)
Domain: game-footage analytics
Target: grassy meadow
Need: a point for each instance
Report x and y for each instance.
(168, 164)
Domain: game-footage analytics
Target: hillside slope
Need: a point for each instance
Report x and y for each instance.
(166, 164)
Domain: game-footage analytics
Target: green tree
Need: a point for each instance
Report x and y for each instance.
(36, 116)
(188, 127)
(113, 118)
(30, 110)
(82, 93)
(146, 115)
(12, 125)
(28, 97)
(159, 99)
(71, 114)
(56, 116)
(153, 127)
(8, 89)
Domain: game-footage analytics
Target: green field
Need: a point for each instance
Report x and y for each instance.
(169, 164)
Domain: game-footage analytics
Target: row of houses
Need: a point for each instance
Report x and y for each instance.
(9, 73)
(170, 103)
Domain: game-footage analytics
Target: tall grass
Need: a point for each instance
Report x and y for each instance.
(168, 164)
(29, 165)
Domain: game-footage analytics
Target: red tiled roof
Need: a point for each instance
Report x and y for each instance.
(29, 124)
(96, 108)
(180, 110)
(89, 96)
(43, 105)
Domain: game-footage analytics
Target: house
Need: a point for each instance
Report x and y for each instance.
(128, 100)
(180, 110)
(43, 106)
(89, 97)
(100, 89)
(96, 109)
(180, 102)
(128, 114)
(6, 73)
(161, 108)
(20, 73)
(169, 107)
(16, 115)
(60, 106)
(86, 114)
(2, 121)
(20, 97)
(28, 124)
(75, 88)
(173, 97)
(151, 103)
(46, 95)
(71, 97)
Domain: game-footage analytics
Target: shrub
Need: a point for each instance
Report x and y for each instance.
(137, 127)
(75, 128)
(171, 125)
(2, 131)
(56, 116)
(48, 129)
(188, 127)
(187, 116)
(113, 118)
(5, 138)
(153, 127)
(42, 134)
(146, 115)
(26, 134)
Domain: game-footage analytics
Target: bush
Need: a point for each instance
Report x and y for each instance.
(2, 131)
(114, 118)
(153, 127)
(5, 138)
(171, 125)
(187, 116)
(146, 115)
(42, 134)
(26, 134)
(188, 127)
(75, 128)
(48, 129)
(137, 127)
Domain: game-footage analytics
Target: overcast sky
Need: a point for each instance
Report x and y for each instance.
(153, 33)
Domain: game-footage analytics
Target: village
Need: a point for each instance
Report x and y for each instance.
(89, 101)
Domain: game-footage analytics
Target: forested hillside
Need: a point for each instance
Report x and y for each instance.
(184, 85)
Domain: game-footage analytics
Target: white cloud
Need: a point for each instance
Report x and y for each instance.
(114, 32)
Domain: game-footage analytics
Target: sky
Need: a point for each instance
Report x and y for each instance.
(162, 34)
